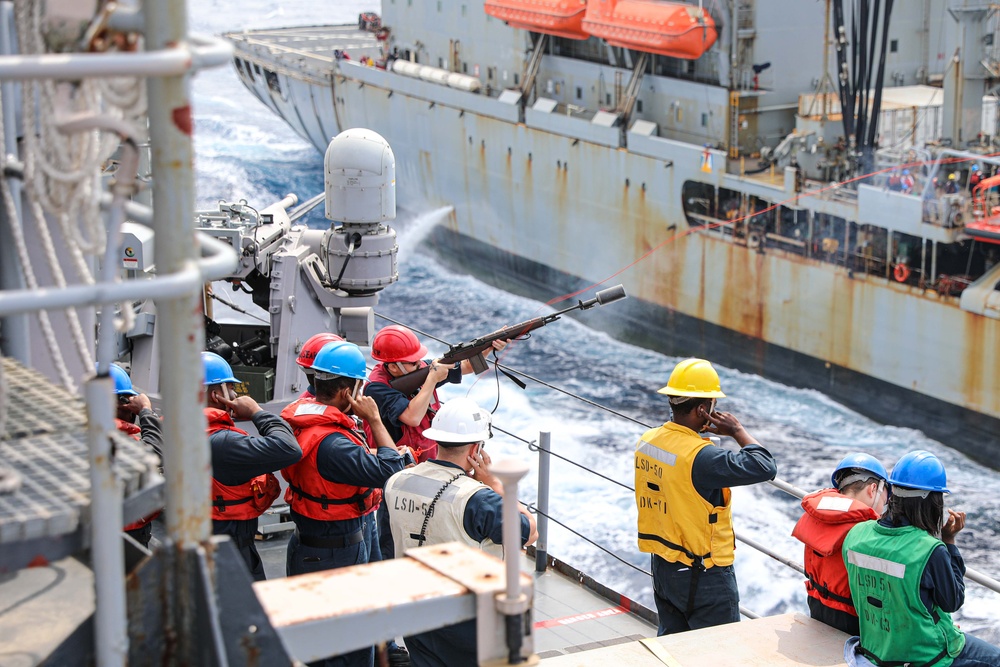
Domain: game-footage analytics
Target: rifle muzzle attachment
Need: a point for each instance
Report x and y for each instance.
(604, 297)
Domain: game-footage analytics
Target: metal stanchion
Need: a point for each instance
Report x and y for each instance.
(542, 518)
(513, 603)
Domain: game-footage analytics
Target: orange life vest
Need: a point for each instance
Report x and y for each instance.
(423, 448)
(829, 516)
(243, 501)
(309, 494)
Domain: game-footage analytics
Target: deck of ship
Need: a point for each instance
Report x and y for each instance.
(308, 49)
(48, 606)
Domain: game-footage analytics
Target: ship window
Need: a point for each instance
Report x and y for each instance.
(704, 120)
(893, 45)
(256, 68)
(638, 106)
(608, 97)
(516, 77)
(465, 68)
(463, 10)
(272, 82)
(579, 93)
(239, 66)
(409, 3)
(439, 6)
(441, 63)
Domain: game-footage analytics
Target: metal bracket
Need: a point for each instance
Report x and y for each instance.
(484, 576)
(335, 611)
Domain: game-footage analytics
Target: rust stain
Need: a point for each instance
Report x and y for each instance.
(428, 172)
(182, 119)
(973, 364)
(842, 324)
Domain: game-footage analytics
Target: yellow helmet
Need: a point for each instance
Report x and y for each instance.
(695, 378)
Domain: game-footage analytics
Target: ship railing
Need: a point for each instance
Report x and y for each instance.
(171, 55)
(541, 507)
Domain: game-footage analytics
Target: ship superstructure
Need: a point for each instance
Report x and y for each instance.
(769, 237)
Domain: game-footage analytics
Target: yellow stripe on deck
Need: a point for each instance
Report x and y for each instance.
(788, 640)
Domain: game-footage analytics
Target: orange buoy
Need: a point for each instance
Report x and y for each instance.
(901, 273)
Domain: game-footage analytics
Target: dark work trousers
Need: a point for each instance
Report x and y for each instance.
(385, 543)
(451, 646)
(301, 559)
(243, 534)
(716, 599)
(835, 618)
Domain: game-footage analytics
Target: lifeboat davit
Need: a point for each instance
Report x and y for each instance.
(561, 18)
(670, 29)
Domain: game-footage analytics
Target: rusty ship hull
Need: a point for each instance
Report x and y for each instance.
(544, 205)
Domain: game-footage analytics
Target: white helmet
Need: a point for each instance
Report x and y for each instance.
(461, 421)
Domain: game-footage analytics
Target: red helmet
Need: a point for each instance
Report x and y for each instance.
(396, 343)
(312, 347)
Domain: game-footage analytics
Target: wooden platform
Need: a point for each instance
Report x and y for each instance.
(789, 640)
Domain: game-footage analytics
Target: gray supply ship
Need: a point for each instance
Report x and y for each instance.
(823, 216)
(105, 259)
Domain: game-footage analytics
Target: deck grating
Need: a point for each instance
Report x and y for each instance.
(45, 442)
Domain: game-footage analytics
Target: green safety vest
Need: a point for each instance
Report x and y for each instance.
(884, 566)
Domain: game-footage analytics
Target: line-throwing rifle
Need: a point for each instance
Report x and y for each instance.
(473, 349)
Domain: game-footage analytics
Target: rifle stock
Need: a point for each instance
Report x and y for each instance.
(410, 383)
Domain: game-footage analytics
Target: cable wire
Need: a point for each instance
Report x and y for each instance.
(533, 446)
(635, 567)
(238, 309)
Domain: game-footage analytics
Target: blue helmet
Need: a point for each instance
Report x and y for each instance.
(123, 383)
(906, 172)
(217, 370)
(862, 462)
(341, 359)
(975, 167)
(918, 470)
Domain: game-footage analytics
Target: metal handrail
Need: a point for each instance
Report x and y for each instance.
(205, 52)
(545, 452)
(220, 261)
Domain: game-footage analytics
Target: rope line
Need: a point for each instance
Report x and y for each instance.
(15, 223)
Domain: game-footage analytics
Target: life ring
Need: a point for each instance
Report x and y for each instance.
(901, 273)
(382, 34)
(753, 240)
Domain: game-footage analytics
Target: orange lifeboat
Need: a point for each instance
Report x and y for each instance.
(561, 18)
(670, 29)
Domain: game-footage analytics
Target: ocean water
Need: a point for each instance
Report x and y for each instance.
(244, 152)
